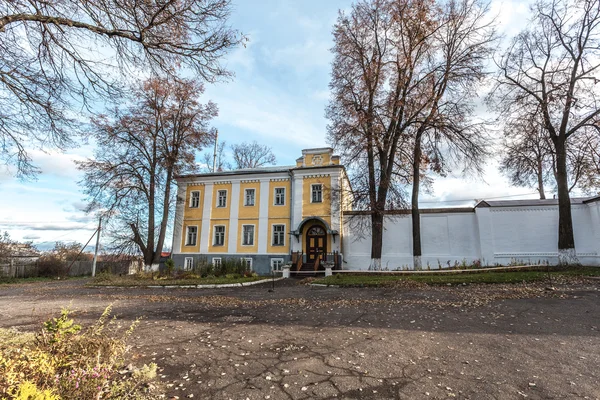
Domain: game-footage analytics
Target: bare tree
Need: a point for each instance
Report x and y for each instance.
(403, 79)
(220, 162)
(51, 62)
(554, 64)
(140, 150)
(527, 158)
(252, 155)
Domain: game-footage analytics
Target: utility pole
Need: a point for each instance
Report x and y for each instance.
(214, 169)
(97, 245)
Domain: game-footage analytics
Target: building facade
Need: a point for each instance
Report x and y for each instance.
(269, 216)
(261, 215)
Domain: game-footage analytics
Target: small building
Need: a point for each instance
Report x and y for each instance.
(265, 216)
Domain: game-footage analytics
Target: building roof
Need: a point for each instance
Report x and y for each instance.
(592, 199)
(261, 170)
(530, 202)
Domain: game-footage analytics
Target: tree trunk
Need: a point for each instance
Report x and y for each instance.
(540, 176)
(414, 209)
(566, 240)
(165, 218)
(376, 239)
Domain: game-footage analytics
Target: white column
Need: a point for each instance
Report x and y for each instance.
(178, 223)
(336, 208)
(296, 205)
(263, 217)
(206, 212)
(234, 211)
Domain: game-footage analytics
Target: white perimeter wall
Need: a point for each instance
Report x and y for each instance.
(494, 235)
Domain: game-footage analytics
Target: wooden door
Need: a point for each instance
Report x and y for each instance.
(316, 243)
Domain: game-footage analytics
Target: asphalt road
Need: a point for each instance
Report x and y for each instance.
(301, 342)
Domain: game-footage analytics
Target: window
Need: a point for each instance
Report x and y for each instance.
(189, 264)
(247, 261)
(278, 235)
(279, 196)
(216, 262)
(222, 198)
(219, 235)
(249, 198)
(195, 199)
(192, 235)
(276, 264)
(248, 235)
(317, 193)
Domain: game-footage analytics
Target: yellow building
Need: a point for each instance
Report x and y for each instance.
(265, 216)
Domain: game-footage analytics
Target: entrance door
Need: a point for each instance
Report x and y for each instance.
(316, 243)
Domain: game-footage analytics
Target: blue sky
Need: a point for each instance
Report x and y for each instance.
(277, 97)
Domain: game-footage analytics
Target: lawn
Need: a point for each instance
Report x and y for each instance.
(149, 280)
(458, 278)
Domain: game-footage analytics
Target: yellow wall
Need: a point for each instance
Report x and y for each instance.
(192, 217)
(249, 211)
(211, 239)
(279, 211)
(190, 249)
(247, 249)
(316, 209)
(308, 159)
(286, 247)
(194, 213)
(221, 212)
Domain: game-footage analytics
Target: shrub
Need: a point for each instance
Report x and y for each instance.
(170, 265)
(51, 265)
(65, 361)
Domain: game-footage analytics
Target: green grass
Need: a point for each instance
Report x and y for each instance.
(135, 280)
(451, 278)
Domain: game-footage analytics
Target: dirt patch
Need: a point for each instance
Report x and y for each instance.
(301, 342)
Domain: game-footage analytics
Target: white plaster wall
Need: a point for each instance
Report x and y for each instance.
(530, 235)
(499, 235)
(449, 237)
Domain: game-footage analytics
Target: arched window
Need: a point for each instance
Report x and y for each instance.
(316, 231)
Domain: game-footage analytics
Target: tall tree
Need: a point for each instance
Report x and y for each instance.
(252, 155)
(527, 154)
(554, 64)
(403, 78)
(139, 151)
(60, 56)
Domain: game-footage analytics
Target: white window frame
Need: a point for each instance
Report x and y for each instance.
(273, 260)
(248, 260)
(187, 235)
(188, 264)
(312, 192)
(216, 261)
(275, 196)
(215, 235)
(192, 199)
(219, 198)
(244, 236)
(273, 235)
(246, 197)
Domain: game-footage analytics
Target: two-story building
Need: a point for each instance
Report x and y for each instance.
(262, 215)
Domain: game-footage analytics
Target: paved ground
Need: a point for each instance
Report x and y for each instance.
(475, 342)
